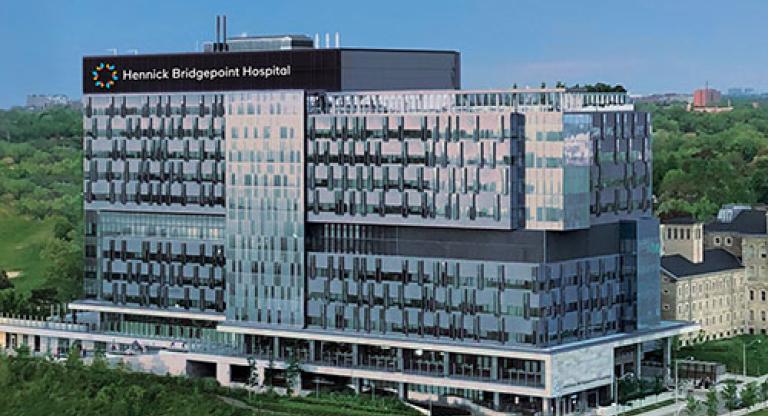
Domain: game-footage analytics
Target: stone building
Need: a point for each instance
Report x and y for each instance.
(705, 286)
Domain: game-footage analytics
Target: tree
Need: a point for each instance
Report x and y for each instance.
(713, 404)
(292, 373)
(749, 395)
(5, 282)
(730, 397)
(764, 390)
(73, 357)
(692, 406)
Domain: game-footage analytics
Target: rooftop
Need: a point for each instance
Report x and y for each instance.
(440, 101)
(749, 221)
(715, 260)
(680, 221)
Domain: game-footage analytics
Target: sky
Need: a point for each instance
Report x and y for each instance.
(648, 46)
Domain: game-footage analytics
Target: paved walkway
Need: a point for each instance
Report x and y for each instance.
(701, 395)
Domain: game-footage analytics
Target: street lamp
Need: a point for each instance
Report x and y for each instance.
(744, 346)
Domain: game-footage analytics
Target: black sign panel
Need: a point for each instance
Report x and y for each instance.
(227, 71)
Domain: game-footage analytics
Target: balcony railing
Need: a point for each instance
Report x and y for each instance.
(36, 323)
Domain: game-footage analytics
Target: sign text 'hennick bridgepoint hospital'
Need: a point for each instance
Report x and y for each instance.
(307, 69)
(206, 74)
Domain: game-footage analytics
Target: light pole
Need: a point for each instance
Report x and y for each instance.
(744, 346)
(616, 387)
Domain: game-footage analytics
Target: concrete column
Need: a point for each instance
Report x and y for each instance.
(494, 368)
(312, 350)
(400, 359)
(223, 375)
(546, 408)
(402, 391)
(446, 363)
(496, 400)
(667, 358)
(297, 385)
(358, 384)
(558, 407)
(638, 360)
(356, 355)
(275, 346)
(262, 374)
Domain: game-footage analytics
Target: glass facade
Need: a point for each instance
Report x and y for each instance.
(446, 170)
(154, 200)
(265, 207)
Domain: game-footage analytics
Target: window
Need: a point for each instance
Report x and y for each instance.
(674, 233)
(717, 241)
(751, 295)
(688, 234)
(728, 241)
(762, 295)
(762, 315)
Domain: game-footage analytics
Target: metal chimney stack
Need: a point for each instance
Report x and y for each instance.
(224, 45)
(218, 31)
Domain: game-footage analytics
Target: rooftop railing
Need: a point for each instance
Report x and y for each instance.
(442, 101)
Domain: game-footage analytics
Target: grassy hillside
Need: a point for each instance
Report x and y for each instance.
(30, 386)
(21, 242)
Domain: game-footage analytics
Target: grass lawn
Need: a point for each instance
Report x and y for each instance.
(20, 242)
(648, 408)
(729, 352)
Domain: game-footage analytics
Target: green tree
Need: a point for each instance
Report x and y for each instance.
(764, 390)
(692, 406)
(5, 282)
(730, 397)
(292, 374)
(749, 395)
(73, 357)
(713, 402)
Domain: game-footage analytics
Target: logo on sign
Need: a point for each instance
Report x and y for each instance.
(104, 75)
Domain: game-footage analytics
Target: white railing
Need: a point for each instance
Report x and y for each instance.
(36, 323)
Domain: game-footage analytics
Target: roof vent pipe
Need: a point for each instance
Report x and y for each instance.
(218, 31)
(224, 45)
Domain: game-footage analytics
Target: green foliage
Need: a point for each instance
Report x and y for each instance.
(713, 402)
(764, 390)
(704, 160)
(750, 395)
(5, 282)
(600, 87)
(40, 207)
(730, 397)
(20, 125)
(292, 373)
(632, 388)
(33, 386)
(692, 406)
(729, 352)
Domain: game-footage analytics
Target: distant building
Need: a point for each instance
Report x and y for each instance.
(741, 92)
(707, 100)
(41, 101)
(706, 97)
(698, 285)
(664, 99)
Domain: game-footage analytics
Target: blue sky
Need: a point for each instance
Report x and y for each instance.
(646, 45)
